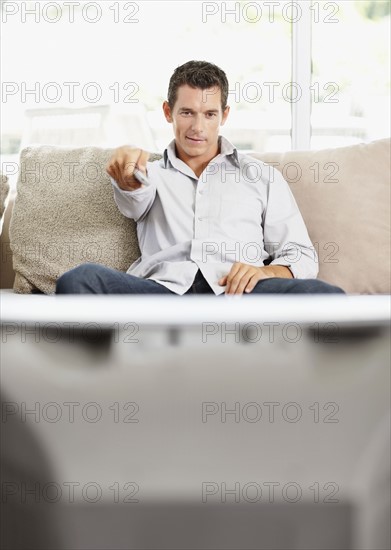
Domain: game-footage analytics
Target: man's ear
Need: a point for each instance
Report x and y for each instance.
(167, 111)
(225, 115)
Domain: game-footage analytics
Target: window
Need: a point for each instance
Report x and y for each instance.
(351, 72)
(302, 73)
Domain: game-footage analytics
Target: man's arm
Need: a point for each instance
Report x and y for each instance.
(285, 239)
(285, 234)
(133, 198)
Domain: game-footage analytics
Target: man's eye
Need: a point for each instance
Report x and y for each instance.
(211, 115)
(186, 113)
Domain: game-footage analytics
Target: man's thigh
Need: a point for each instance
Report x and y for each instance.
(91, 278)
(276, 285)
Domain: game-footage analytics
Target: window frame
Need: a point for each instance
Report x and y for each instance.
(302, 75)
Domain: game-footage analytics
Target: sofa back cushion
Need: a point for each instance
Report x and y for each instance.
(344, 196)
(65, 214)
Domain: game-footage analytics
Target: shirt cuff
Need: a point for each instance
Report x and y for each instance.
(137, 192)
(306, 268)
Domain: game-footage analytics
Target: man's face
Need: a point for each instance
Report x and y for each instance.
(196, 118)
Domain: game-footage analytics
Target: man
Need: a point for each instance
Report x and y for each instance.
(210, 218)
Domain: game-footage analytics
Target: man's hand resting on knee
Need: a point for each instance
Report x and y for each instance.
(122, 164)
(244, 277)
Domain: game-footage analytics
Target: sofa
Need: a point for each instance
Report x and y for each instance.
(63, 214)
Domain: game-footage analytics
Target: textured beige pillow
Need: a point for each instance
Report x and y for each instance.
(4, 190)
(344, 197)
(65, 215)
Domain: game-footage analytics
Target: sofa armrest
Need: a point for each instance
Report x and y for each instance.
(7, 273)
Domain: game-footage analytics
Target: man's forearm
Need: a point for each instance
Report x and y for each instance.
(134, 204)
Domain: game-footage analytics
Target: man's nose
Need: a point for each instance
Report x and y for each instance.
(197, 124)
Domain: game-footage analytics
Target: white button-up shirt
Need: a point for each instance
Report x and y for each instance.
(239, 210)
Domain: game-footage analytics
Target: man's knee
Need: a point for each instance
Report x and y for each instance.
(310, 286)
(296, 286)
(316, 286)
(74, 280)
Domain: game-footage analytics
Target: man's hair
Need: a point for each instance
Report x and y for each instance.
(198, 74)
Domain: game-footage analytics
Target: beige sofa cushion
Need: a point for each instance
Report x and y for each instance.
(344, 197)
(65, 215)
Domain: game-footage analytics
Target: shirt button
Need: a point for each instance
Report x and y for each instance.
(201, 191)
(200, 218)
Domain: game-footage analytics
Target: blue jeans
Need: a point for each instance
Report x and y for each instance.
(92, 278)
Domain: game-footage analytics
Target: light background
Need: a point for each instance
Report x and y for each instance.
(126, 52)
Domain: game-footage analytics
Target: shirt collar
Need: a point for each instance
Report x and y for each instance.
(226, 150)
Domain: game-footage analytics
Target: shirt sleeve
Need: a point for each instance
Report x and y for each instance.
(134, 204)
(286, 237)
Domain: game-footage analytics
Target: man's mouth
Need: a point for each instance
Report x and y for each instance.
(196, 140)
